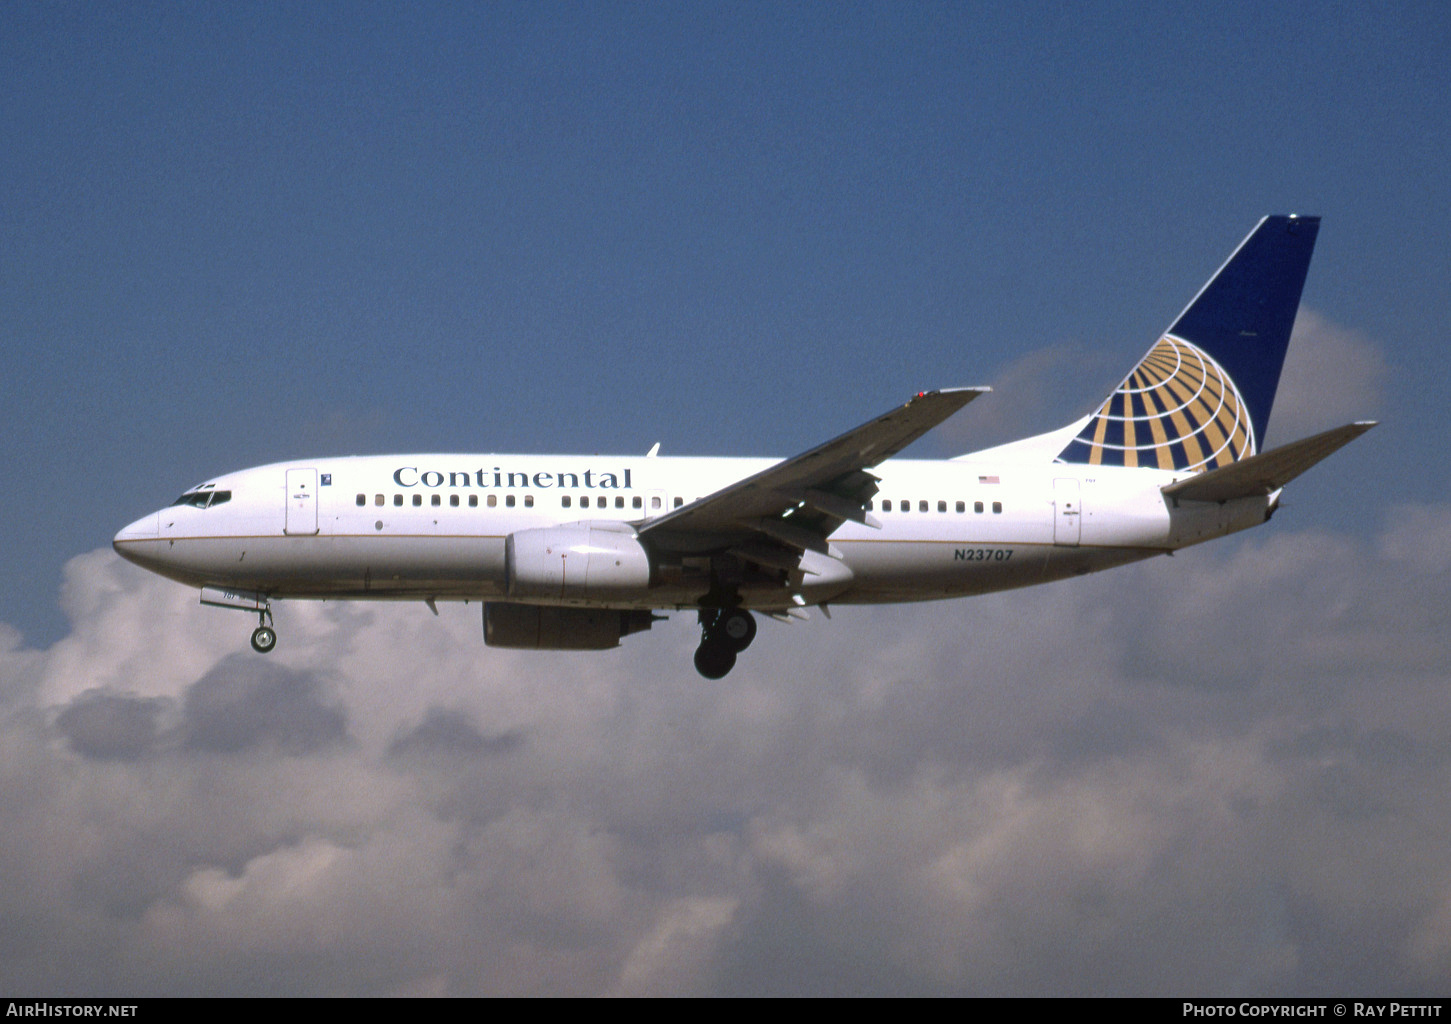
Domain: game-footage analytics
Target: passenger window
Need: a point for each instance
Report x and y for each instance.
(977, 506)
(473, 501)
(493, 500)
(679, 502)
(638, 502)
(437, 500)
(869, 505)
(962, 506)
(528, 501)
(509, 501)
(362, 500)
(602, 502)
(453, 500)
(417, 500)
(997, 507)
(378, 500)
(942, 506)
(564, 501)
(921, 506)
(619, 501)
(655, 502)
(397, 499)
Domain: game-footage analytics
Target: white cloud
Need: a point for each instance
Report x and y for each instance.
(1333, 375)
(1041, 390)
(674, 957)
(1217, 773)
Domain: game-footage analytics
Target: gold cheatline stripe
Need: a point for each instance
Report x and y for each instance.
(1188, 399)
(1163, 360)
(1156, 430)
(1226, 423)
(1095, 457)
(1231, 416)
(1210, 427)
(1186, 437)
(1176, 383)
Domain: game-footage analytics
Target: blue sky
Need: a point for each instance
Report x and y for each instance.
(242, 233)
(235, 236)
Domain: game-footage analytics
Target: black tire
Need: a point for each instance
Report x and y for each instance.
(714, 660)
(264, 638)
(736, 627)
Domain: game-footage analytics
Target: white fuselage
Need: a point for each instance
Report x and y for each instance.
(435, 526)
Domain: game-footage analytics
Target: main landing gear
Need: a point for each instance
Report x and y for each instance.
(724, 633)
(264, 637)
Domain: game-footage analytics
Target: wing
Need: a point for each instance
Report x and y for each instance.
(771, 518)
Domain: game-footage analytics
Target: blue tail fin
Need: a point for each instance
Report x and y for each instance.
(1202, 396)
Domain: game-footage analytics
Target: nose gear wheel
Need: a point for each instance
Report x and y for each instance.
(264, 637)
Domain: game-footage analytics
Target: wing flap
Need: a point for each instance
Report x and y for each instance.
(1267, 472)
(792, 535)
(772, 556)
(836, 505)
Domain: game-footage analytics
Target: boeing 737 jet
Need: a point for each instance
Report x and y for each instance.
(578, 552)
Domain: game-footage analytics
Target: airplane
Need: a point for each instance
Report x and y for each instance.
(571, 552)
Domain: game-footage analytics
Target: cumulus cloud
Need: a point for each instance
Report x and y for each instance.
(1332, 375)
(1218, 773)
(449, 733)
(110, 726)
(1041, 390)
(248, 702)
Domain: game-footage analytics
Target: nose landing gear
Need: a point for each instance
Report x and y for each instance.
(264, 637)
(724, 633)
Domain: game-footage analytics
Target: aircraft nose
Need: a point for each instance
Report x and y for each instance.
(145, 528)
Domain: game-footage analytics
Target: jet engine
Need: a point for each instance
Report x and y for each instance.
(539, 627)
(583, 561)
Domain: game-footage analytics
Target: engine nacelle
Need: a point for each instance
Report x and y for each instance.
(540, 627)
(586, 561)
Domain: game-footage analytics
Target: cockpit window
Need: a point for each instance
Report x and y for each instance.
(203, 499)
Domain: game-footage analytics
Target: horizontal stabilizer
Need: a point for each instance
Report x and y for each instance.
(1267, 472)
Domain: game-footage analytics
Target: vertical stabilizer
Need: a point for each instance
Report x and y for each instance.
(1201, 398)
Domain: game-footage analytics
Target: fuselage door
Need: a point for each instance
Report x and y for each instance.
(301, 503)
(1067, 513)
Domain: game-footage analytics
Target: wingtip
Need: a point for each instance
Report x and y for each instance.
(963, 394)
